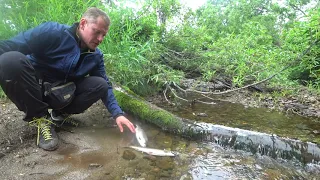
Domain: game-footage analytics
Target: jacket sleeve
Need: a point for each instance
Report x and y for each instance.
(109, 100)
(30, 41)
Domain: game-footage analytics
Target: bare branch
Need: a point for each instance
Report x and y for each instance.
(179, 87)
(177, 95)
(195, 100)
(165, 95)
(175, 52)
(297, 8)
(214, 99)
(205, 94)
(203, 102)
(259, 82)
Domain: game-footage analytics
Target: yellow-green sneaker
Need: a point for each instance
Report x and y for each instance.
(62, 119)
(47, 137)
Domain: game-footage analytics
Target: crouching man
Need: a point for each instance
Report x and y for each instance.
(53, 52)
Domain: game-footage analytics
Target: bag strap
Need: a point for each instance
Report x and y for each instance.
(46, 86)
(40, 78)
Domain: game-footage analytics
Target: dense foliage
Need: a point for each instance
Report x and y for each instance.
(157, 42)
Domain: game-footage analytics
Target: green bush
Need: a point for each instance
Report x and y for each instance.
(163, 42)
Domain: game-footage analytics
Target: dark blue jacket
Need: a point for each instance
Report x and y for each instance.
(55, 52)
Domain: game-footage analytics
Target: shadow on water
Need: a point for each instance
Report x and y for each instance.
(233, 125)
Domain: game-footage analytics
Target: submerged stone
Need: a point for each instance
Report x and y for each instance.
(150, 157)
(165, 164)
(128, 155)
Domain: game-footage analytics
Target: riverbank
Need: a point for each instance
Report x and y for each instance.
(17, 139)
(299, 101)
(92, 151)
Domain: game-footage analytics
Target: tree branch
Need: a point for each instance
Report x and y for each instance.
(249, 85)
(206, 94)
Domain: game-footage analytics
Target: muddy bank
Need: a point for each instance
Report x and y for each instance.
(93, 150)
(14, 132)
(303, 102)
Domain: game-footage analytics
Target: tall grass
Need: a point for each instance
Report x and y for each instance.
(136, 47)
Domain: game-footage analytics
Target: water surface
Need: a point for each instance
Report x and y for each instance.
(196, 160)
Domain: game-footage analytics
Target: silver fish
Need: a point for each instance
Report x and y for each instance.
(141, 136)
(153, 152)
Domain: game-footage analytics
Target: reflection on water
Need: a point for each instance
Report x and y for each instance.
(256, 119)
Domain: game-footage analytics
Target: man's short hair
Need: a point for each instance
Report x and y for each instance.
(93, 13)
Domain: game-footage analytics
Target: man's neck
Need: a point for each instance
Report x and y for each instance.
(81, 43)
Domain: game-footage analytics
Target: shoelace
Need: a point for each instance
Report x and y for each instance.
(68, 119)
(43, 126)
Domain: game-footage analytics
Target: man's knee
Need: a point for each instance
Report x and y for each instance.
(101, 84)
(11, 63)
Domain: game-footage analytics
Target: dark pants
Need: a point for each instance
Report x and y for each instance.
(18, 81)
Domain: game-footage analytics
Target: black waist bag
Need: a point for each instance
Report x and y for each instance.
(58, 95)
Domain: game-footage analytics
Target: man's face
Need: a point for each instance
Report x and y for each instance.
(91, 33)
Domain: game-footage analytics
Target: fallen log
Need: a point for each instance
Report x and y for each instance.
(138, 107)
(254, 142)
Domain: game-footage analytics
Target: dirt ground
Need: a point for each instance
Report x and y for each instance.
(20, 158)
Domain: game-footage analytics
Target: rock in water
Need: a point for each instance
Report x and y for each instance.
(128, 155)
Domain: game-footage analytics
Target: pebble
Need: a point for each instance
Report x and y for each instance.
(202, 114)
(316, 132)
(94, 165)
(156, 170)
(18, 156)
(258, 167)
(44, 155)
(31, 164)
(150, 157)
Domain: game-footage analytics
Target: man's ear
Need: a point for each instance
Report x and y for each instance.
(82, 23)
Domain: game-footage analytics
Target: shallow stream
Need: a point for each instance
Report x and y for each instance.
(246, 143)
(255, 119)
(195, 160)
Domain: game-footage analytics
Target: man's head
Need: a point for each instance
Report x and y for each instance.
(93, 27)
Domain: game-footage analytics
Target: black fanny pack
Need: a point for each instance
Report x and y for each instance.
(58, 95)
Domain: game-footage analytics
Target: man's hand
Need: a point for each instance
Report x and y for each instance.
(123, 120)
